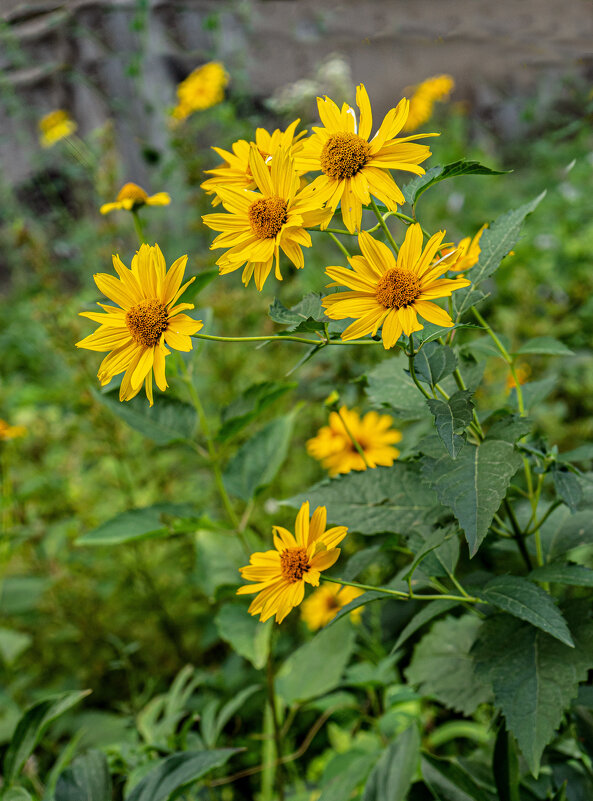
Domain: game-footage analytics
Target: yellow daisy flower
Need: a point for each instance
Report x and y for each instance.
(131, 196)
(354, 166)
(466, 253)
(149, 319)
(260, 224)
(390, 293)
(424, 97)
(324, 604)
(11, 432)
(55, 126)
(280, 575)
(333, 445)
(203, 88)
(235, 172)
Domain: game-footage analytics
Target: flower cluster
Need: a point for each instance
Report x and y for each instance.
(203, 88)
(426, 94)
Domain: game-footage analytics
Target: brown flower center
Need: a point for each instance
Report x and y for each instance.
(398, 288)
(344, 154)
(146, 321)
(294, 563)
(267, 216)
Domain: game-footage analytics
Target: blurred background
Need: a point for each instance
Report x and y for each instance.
(123, 622)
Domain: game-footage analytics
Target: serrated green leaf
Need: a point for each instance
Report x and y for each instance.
(510, 428)
(169, 420)
(373, 501)
(177, 772)
(247, 636)
(31, 728)
(257, 462)
(442, 667)
(250, 405)
(307, 311)
(434, 362)
(417, 186)
(523, 599)
(396, 769)
(451, 418)
(87, 779)
(495, 243)
(428, 612)
(574, 575)
(564, 531)
(533, 675)
(449, 781)
(568, 487)
(389, 385)
(134, 525)
(316, 667)
(545, 345)
(473, 485)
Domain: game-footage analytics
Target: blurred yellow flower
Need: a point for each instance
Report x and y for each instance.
(523, 372)
(260, 224)
(131, 196)
(334, 448)
(354, 166)
(55, 126)
(235, 172)
(149, 318)
(466, 253)
(323, 605)
(11, 432)
(203, 88)
(424, 97)
(389, 293)
(280, 574)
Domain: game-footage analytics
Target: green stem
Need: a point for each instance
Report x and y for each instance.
(405, 596)
(339, 244)
(353, 439)
(276, 726)
(138, 227)
(518, 535)
(287, 339)
(383, 225)
(413, 375)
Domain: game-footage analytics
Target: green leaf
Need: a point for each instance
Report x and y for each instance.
(16, 794)
(474, 485)
(428, 611)
(450, 782)
(568, 487)
(505, 766)
(87, 779)
(168, 421)
(495, 243)
(564, 531)
(250, 405)
(523, 599)
(442, 667)
(434, 362)
(545, 345)
(395, 771)
(437, 550)
(510, 428)
(19, 594)
(12, 644)
(390, 385)
(244, 633)
(226, 713)
(316, 667)
(534, 392)
(307, 315)
(574, 575)
(373, 501)
(177, 772)
(343, 785)
(31, 728)
(134, 525)
(417, 186)
(256, 463)
(533, 675)
(451, 418)
(218, 559)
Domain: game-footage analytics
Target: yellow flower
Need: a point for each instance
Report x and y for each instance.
(467, 252)
(11, 432)
(354, 166)
(55, 126)
(260, 224)
(204, 87)
(235, 172)
(523, 372)
(333, 446)
(424, 97)
(390, 293)
(280, 575)
(149, 318)
(131, 196)
(324, 604)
